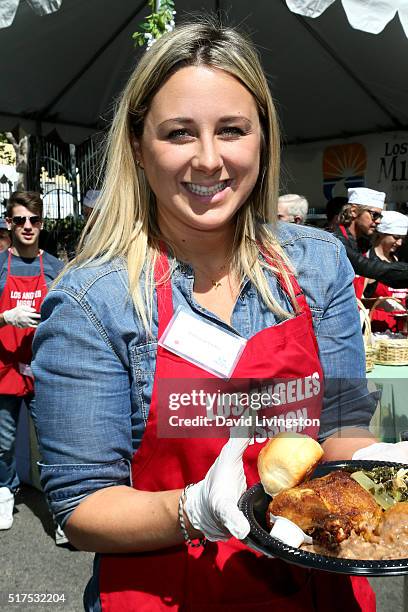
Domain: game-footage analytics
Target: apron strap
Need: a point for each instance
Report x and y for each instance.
(9, 262)
(299, 295)
(165, 297)
(343, 231)
(41, 264)
(164, 294)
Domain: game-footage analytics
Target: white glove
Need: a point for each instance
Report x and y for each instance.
(211, 504)
(384, 451)
(22, 316)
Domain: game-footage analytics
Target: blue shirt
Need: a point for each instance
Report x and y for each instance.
(29, 266)
(94, 363)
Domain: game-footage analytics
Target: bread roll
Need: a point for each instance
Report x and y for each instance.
(286, 460)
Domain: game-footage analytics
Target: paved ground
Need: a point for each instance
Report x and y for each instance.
(31, 563)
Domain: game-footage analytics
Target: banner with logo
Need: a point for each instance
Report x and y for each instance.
(325, 169)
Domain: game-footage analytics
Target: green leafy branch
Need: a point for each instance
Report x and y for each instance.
(69, 224)
(160, 21)
(6, 152)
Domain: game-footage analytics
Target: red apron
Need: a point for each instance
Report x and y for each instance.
(383, 320)
(223, 576)
(359, 282)
(15, 343)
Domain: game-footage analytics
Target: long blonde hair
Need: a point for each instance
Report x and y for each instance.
(126, 225)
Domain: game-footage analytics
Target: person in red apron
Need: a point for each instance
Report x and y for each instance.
(24, 289)
(388, 315)
(192, 172)
(363, 213)
(358, 222)
(221, 575)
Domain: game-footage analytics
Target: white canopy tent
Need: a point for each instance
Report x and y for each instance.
(64, 70)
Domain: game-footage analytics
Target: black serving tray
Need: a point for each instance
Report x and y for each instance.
(254, 503)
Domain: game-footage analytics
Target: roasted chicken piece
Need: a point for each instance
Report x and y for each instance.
(328, 508)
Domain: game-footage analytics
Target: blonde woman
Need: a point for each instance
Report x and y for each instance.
(185, 278)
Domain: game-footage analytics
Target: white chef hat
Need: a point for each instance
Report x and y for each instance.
(393, 222)
(366, 197)
(91, 197)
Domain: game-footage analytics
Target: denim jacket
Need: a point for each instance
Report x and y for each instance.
(94, 363)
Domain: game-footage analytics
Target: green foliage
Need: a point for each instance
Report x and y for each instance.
(69, 224)
(5, 154)
(63, 234)
(157, 23)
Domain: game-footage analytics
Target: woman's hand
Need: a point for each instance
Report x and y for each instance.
(383, 451)
(211, 504)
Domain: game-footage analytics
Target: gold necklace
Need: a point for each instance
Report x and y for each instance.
(216, 284)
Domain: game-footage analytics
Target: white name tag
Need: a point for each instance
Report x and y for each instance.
(206, 345)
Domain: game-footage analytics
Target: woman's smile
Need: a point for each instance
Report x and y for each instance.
(206, 192)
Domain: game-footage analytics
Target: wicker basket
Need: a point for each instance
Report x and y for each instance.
(388, 350)
(370, 349)
(380, 300)
(391, 352)
(370, 353)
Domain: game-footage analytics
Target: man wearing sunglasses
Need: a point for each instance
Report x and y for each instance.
(358, 221)
(25, 273)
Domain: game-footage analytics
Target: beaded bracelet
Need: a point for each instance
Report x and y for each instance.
(188, 540)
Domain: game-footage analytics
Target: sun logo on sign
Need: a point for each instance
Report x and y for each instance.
(344, 166)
